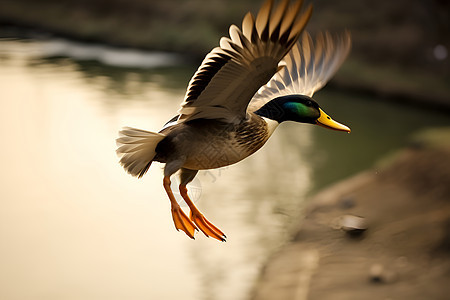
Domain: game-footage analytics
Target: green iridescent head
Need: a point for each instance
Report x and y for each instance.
(298, 108)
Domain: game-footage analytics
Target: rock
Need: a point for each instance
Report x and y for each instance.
(353, 225)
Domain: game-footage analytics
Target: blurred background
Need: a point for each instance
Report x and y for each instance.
(74, 225)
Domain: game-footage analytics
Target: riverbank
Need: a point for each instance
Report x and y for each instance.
(403, 254)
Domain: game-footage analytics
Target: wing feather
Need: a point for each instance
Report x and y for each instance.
(231, 74)
(309, 66)
(277, 19)
(288, 20)
(249, 28)
(263, 20)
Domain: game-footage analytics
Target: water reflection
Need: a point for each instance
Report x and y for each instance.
(75, 225)
(106, 55)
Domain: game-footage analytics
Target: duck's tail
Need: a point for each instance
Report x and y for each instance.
(136, 149)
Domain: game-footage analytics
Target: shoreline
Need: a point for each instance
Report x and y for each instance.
(387, 82)
(403, 254)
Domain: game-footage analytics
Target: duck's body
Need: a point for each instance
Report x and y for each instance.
(203, 144)
(231, 108)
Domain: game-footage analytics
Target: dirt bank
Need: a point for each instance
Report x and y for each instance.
(403, 254)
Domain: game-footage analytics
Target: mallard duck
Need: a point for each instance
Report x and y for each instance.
(258, 78)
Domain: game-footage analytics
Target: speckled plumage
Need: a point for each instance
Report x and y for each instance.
(208, 144)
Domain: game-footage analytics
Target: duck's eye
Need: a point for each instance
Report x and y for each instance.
(308, 103)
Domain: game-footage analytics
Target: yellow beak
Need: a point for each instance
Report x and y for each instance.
(325, 121)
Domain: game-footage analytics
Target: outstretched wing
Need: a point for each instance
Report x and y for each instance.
(231, 74)
(309, 66)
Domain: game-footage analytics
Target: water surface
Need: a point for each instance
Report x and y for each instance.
(74, 225)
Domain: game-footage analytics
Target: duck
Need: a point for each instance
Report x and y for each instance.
(262, 75)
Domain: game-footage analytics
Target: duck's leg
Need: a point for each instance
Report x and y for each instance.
(202, 223)
(180, 219)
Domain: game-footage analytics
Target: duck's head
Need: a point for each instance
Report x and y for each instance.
(298, 108)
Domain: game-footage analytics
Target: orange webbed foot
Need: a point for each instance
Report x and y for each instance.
(182, 222)
(180, 219)
(207, 227)
(197, 217)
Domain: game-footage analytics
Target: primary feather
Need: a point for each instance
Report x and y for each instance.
(308, 68)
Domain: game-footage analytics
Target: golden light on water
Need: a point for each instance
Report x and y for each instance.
(73, 224)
